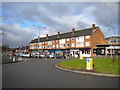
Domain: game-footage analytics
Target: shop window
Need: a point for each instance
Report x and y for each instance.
(86, 51)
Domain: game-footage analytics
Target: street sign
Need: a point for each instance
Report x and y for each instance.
(89, 63)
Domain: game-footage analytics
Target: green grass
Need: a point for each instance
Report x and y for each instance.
(102, 65)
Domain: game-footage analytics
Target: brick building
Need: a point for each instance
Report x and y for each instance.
(71, 43)
(112, 46)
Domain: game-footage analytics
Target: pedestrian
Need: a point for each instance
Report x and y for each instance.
(30, 55)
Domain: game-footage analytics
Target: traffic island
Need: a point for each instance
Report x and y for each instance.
(102, 67)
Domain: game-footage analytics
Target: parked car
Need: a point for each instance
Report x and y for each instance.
(21, 54)
(26, 55)
(42, 55)
(52, 56)
(59, 56)
(36, 55)
(47, 56)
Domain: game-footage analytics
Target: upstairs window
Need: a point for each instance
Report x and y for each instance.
(72, 38)
(72, 45)
(87, 37)
(87, 43)
(67, 39)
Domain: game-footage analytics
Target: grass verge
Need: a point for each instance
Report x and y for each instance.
(101, 65)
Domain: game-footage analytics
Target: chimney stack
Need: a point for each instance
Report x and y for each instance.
(46, 36)
(58, 34)
(93, 27)
(73, 31)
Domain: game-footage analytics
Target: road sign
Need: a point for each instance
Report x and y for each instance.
(89, 63)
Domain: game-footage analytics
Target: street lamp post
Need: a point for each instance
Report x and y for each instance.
(38, 36)
(110, 40)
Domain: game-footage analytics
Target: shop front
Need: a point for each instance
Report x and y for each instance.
(60, 52)
(107, 50)
(46, 52)
(85, 52)
(74, 52)
(66, 52)
(52, 51)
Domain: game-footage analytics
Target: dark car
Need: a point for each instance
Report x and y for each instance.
(47, 56)
(59, 56)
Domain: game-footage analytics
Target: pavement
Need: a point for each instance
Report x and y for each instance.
(39, 73)
(89, 73)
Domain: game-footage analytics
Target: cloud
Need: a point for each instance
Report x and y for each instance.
(57, 16)
(14, 35)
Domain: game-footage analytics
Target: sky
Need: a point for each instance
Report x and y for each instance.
(18, 19)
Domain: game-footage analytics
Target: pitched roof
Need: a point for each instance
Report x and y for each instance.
(83, 32)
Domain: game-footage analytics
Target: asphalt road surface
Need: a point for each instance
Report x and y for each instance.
(36, 73)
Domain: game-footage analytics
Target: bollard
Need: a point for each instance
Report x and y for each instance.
(89, 64)
(10, 57)
(13, 59)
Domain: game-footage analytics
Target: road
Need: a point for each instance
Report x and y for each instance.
(36, 73)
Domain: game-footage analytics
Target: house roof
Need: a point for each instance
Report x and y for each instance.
(83, 32)
(113, 37)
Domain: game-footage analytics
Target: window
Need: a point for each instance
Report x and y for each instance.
(68, 45)
(81, 39)
(49, 46)
(72, 38)
(67, 39)
(62, 41)
(87, 43)
(81, 44)
(57, 40)
(49, 42)
(53, 46)
(78, 44)
(87, 37)
(61, 45)
(57, 46)
(72, 45)
(115, 41)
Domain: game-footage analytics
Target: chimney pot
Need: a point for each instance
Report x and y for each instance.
(93, 27)
(58, 34)
(46, 36)
(73, 31)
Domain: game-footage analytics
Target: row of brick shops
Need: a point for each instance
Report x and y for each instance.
(86, 42)
(85, 52)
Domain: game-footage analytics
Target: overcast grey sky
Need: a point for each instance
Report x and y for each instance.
(18, 18)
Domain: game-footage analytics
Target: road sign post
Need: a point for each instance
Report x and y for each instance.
(89, 64)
